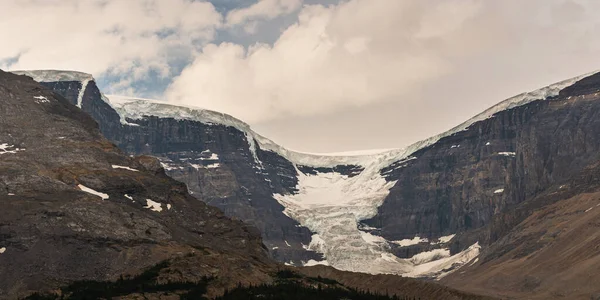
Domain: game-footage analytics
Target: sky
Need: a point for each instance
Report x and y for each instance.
(313, 75)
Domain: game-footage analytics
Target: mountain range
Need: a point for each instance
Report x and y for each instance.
(501, 205)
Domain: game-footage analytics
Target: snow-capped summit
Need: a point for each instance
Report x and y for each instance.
(55, 75)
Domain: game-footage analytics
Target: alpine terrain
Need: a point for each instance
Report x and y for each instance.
(81, 219)
(502, 204)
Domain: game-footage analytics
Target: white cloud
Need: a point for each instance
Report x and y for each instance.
(352, 54)
(362, 52)
(261, 10)
(127, 38)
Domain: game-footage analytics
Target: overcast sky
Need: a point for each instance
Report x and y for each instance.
(313, 75)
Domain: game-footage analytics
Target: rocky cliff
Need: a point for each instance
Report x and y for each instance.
(81, 219)
(391, 212)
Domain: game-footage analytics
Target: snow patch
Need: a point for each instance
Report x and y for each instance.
(6, 149)
(211, 166)
(442, 267)
(445, 239)
(429, 256)
(409, 242)
(499, 191)
(288, 244)
(125, 168)
(169, 206)
(11, 194)
(509, 154)
(589, 209)
(128, 197)
(2, 250)
(213, 156)
(55, 75)
(153, 206)
(41, 99)
(91, 191)
(313, 262)
(84, 84)
(488, 143)
(454, 146)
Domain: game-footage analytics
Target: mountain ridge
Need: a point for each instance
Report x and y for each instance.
(400, 199)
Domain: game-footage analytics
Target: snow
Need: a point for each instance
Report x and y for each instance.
(288, 244)
(275, 248)
(313, 262)
(442, 267)
(2, 250)
(589, 209)
(488, 143)
(429, 256)
(509, 154)
(213, 156)
(454, 146)
(211, 166)
(372, 239)
(332, 205)
(153, 206)
(84, 84)
(11, 194)
(445, 239)
(128, 197)
(317, 244)
(169, 167)
(6, 149)
(499, 191)
(90, 191)
(41, 99)
(409, 242)
(169, 206)
(55, 75)
(125, 168)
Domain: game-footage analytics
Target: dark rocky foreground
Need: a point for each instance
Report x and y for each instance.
(78, 214)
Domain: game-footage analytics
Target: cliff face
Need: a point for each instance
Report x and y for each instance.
(462, 181)
(544, 248)
(458, 183)
(75, 207)
(215, 162)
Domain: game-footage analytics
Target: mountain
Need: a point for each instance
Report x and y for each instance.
(80, 219)
(75, 207)
(422, 211)
(551, 253)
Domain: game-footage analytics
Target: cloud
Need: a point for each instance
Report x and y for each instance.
(261, 10)
(363, 52)
(351, 54)
(129, 39)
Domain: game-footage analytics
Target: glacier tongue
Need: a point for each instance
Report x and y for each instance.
(332, 204)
